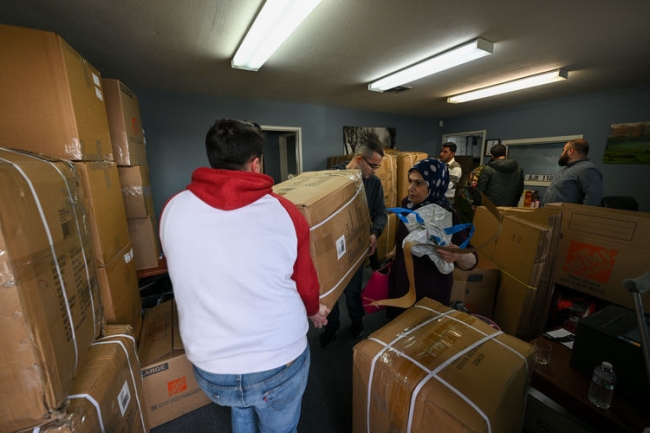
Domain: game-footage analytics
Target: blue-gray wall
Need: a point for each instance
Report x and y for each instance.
(175, 126)
(590, 115)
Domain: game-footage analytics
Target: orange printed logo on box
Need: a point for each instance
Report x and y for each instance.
(176, 386)
(589, 261)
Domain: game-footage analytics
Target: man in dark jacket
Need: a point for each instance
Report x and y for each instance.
(502, 179)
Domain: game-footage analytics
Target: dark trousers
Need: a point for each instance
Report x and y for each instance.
(352, 295)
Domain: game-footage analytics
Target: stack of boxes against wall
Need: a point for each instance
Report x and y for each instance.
(65, 240)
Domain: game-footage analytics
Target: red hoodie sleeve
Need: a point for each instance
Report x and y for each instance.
(304, 271)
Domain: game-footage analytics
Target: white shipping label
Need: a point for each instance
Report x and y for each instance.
(340, 247)
(128, 256)
(96, 80)
(99, 94)
(124, 397)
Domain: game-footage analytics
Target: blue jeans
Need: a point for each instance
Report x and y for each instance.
(264, 402)
(353, 301)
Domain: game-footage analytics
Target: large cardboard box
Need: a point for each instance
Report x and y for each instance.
(125, 124)
(107, 218)
(118, 284)
(601, 247)
(136, 191)
(335, 206)
(146, 244)
(52, 98)
(477, 288)
(441, 369)
(50, 308)
(106, 395)
(522, 253)
(170, 388)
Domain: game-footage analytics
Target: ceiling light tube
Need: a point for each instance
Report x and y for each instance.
(465, 53)
(273, 25)
(511, 86)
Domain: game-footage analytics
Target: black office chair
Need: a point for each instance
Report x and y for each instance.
(620, 202)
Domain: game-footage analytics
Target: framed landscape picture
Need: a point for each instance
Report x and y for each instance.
(354, 135)
(628, 143)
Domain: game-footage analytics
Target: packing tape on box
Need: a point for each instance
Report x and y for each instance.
(432, 373)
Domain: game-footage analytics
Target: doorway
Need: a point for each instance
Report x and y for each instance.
(282, 152)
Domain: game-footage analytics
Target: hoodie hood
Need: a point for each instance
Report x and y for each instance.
(229, 189)
(504, 165)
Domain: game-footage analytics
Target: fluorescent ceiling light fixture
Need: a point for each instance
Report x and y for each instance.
(511, 86)
(273, 25)
(465, 53)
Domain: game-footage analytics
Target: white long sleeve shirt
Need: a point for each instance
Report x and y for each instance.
(243, 279)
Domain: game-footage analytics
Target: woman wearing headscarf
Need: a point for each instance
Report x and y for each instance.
(428, 181)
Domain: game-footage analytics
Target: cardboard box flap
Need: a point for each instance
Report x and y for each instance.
(156, 336)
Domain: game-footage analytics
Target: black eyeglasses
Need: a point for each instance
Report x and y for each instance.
(373, 166)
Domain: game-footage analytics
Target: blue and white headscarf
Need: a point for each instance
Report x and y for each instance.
(436, 175)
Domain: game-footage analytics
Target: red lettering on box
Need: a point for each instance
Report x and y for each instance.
(589, 261)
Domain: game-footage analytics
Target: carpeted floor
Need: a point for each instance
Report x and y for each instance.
(327, 403)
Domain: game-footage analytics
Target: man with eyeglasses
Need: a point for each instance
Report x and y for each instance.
(367, 158)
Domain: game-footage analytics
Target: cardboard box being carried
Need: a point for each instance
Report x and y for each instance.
(52, 98)
(170, 388)
(106, 395)
(50, 308)
(123, 112)
(335, 206)
(387, 173)
(438, 368)
(601, 247)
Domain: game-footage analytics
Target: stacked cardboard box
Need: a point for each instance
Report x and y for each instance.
(130, 155)
(335, 206)
(477, 288)
(107, 394)
(601, 247)
(170, 388)
(438, 368)
(54, 104)
(524, 252)
(50, 307)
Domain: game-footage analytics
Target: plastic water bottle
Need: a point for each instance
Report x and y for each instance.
(601, 389)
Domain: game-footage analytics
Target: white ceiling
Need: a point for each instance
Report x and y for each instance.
(186, 46)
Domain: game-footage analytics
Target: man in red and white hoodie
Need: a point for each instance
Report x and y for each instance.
(244, 282)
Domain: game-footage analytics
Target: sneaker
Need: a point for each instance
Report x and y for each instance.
(357, 329)
(327, 338)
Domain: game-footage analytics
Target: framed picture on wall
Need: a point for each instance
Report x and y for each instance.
(354, 135)
(489, 143)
